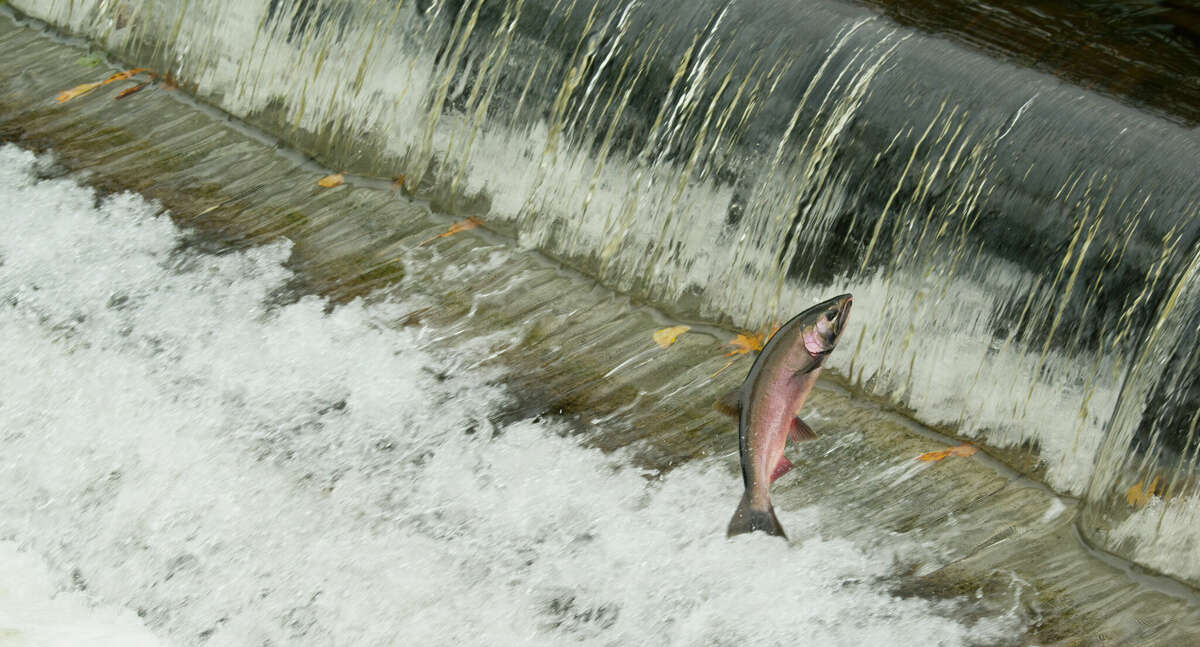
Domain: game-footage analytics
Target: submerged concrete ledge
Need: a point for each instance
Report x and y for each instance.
(587, 352)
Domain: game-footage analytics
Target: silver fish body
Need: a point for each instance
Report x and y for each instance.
(774, 391)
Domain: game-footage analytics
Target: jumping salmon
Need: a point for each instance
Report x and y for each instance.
(768, 401)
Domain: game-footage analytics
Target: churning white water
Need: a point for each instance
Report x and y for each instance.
(186, 458)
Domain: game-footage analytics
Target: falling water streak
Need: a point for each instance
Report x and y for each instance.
(591, 98)
(614, 231)
(1159, 343)
(811, 165)
(481, 96)
(459, 38)
(895, 191)
(1066, 293)
(620, 34)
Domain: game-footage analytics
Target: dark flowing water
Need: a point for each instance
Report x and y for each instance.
(1144, 51)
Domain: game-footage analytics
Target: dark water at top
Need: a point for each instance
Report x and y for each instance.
(1145, 50)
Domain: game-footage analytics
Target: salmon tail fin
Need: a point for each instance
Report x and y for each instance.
(748, 519)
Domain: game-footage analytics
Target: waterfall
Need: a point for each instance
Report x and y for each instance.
(1021, 250)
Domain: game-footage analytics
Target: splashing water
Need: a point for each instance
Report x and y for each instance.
(32, 612)
(183, 441)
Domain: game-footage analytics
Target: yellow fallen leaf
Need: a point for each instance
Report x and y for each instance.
(330, 181)
(1139, 495)
(400, 182)
(667, 336)
(957, 450)
(461, 225)
(963, 450)
(127, 74)
(67, 95)
(744, 343)
(84, 88)
(1136, 496)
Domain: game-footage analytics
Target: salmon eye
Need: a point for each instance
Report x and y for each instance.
(831, 315)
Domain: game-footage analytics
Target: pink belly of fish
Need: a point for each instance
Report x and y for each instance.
(770, 422)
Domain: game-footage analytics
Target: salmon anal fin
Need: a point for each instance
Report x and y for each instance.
(730, 404)
(800, 431)
(782, 467)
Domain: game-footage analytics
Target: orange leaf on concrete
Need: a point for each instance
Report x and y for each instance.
(744, 343)
(957, 450)
(67, 95)
(130, 90)
(120, 76)
(667, 336)
(330, 181)
(461, 225)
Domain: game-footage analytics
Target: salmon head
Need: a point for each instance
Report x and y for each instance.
(822, 333)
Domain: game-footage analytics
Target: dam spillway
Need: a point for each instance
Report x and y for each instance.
(1021, 250)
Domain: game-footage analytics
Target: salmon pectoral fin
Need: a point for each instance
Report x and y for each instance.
(800, 431)
(749, 519)
(782, 467)
(730, 404)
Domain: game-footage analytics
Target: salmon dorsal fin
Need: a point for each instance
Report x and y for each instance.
(730, 404)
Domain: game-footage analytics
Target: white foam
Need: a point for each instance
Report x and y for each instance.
(237, 472)
(33, 612)
(1057, 507)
